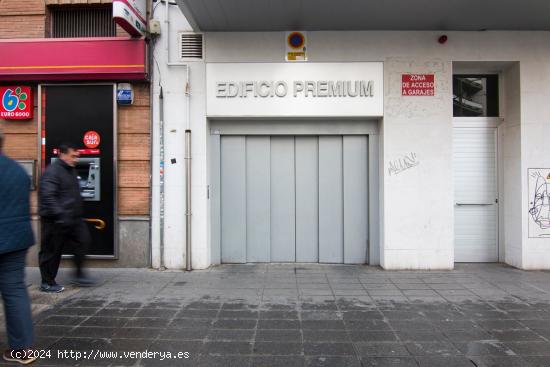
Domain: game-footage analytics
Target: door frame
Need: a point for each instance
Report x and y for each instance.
(294, 127)
(116, 234)
(487, 122)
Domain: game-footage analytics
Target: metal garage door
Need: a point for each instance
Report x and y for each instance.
(475, 181)
(294, 198)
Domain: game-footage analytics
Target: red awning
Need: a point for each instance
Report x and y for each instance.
(73, 59)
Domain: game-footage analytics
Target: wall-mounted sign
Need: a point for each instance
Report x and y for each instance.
(418, 85)
(297, 89)
(295, 46)
(91, 139)
(16, 103)
(130, 15)
(124, 94)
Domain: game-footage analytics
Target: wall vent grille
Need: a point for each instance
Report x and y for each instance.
(82, 22)
(191, 46)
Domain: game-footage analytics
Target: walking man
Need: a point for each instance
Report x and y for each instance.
(62, 222)
(15, 238)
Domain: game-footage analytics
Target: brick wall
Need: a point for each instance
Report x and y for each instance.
(22, 19)
(27, 19)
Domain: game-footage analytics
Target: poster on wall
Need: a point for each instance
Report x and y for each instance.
(539, 202)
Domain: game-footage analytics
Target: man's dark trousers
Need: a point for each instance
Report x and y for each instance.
(75, 238)
(16, 299)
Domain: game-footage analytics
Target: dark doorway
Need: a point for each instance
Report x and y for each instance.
(84, 116)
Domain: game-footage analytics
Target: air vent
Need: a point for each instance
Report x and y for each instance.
(191, 46)
(82, 22)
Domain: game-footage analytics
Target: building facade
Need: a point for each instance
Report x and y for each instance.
(317, 140)
(407, 149)
(72, 58)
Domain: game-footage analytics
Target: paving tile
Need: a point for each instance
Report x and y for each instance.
(432, 348)
(281, 315)
(321, 315)
(420, 335)
(138, 333)
(230, 335)
(277, 348)
(500, 361)
(276, 361)
(390, 349)
(238, 314)
(76, 311)
(388, 362)
(516, 335)
(373, 336)
(323, 324)
(191, 323)
(184, 334)
(228, 348)
(146, 322)
(332, 362)
(365, 325)
(412, 325)
(444, 361)
(468, 335)
(224, 361)
(278, 324)
(483, 348)
(92, 332)
(279, 335)
(490, 325)
(63, 320)
(105, 321)
(537, 348)
(117, 312)
(537, 361)
(328, 349)
(325, 336)
(157, 312)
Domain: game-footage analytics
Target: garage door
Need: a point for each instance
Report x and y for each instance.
(475, 182)
(294, 199)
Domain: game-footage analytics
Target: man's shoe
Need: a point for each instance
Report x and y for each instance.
(22, 356)
(51, 288)
(85, 281)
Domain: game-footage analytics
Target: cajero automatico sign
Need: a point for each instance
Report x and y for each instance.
(312, 89)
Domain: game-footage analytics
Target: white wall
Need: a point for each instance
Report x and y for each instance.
(416, 205)
(173, 81)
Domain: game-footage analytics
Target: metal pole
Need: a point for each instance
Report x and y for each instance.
(161, 174)
(188, 198)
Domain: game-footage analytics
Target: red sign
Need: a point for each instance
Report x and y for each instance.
(418, 85)
(16, 103)
(91, 139)
(82, 151)
(89, 151)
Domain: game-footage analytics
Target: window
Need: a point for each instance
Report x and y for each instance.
(475, 96)
(82, 22)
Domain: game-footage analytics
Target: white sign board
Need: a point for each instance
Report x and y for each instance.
(295, 90)
(130, 15)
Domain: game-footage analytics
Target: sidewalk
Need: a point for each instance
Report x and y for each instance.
(300, 315)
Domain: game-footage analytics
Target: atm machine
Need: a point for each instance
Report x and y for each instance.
(84, 115)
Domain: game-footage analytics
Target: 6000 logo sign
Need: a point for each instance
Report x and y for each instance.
(16, 103)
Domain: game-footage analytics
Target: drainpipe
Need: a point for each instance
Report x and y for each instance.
(188, 175)
(187, 157)
(161, 173)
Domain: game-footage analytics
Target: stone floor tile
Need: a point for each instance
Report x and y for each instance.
(388, 362)
(388, 349)
(329, 349)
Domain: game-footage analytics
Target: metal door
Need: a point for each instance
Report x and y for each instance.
(294, 198)
(475, 182)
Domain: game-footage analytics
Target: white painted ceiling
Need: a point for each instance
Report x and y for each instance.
(281, 15)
